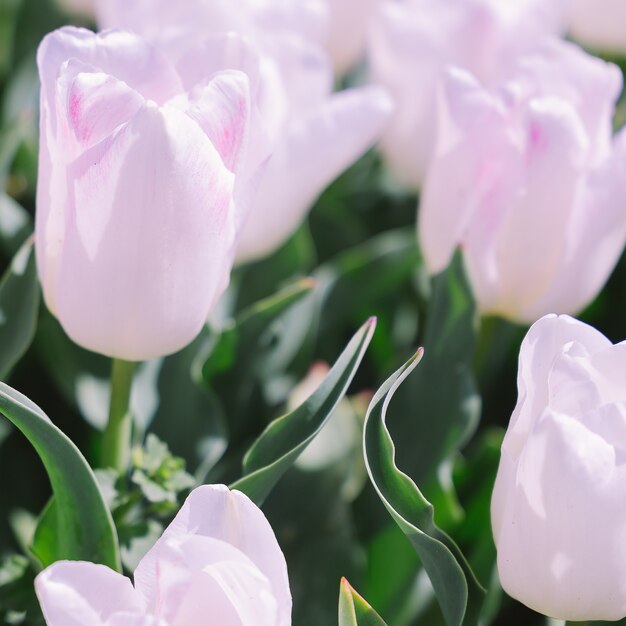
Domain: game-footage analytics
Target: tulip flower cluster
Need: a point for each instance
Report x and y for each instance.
(195, 160)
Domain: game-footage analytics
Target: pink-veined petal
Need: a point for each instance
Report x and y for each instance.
(148, 238)
(222, 110)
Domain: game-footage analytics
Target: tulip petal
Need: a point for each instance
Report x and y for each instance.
(124, 55)
(61, 56)
(133, 619)
(222, 110)
(473, 178)
(148, 230)
(231, 518)
(307, 18)
(590, 84)
(596, 233)
(404, 43)
(556, 147)
(305, 72)
(76, 593)
(198, 576)
(263, 92)
(541, 346)
(314, 153)
(97, 104)
(226, 51)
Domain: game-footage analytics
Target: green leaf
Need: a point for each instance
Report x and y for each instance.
(243, 339)
(354, 610)
(325, 539)
(457, 590)
(366, 275)
(445, 390)
(392, 574)
(18, 603)
(19, 305)
(275, 451)
(84, 527)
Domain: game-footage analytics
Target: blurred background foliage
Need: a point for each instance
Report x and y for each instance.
(212, 400)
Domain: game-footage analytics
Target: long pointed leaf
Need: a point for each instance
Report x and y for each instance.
(456, 588)
(85, 529)
(275, 451)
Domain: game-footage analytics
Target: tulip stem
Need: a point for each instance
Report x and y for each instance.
(576, 623)
(117, 436)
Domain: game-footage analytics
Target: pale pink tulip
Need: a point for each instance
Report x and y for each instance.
(413, 41)
(135, 227)
(218, 562)
(313, 134)
(599, 24)
(559, 500)
(529, 182)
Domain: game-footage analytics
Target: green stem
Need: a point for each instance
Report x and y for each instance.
(116, 440)
(576, 623)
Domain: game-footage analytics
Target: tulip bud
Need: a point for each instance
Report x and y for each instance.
(529, 182)
(135, 223)
(559, 501)
(218, 558)
(599, 24)
(413, 41)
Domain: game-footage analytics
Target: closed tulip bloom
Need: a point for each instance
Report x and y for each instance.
(599, 24)
(528, 180)
(218, 562)
(559, 501)
(313, 134)
(135, 225)
(413, 41)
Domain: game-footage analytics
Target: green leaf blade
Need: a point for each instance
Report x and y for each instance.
(458, 592)
(286, 437)
(241, 339)
(84, 526)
